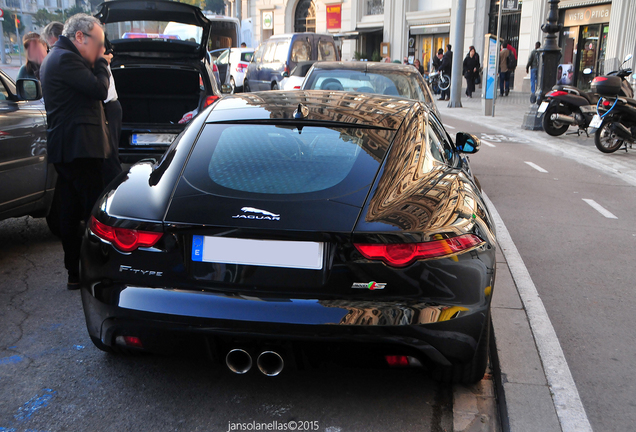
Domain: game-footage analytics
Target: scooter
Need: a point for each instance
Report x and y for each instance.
(616, 115)
(567, 106)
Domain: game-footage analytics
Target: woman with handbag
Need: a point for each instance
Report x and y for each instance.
(471, 71)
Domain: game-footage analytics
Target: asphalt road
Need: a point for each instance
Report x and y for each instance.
(579, 256)
(53, 379)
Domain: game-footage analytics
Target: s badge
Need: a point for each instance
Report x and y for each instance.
(370, 285)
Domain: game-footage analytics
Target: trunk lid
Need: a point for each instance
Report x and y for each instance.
(145, 28)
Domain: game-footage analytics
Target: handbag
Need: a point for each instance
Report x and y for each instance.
(477, 79)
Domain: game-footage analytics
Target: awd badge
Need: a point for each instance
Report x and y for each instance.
(370, 285)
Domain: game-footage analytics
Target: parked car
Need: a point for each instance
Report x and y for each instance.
(283, 226)
(371, 77)
(162, 79)
(28, 180)
(280, 54)
(294, 80)
(232, 64)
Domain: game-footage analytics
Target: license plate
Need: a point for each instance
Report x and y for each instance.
(265, 253)
(596, 121)
(150, 138)
(543, 107)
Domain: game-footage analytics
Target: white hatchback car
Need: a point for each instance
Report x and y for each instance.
(232, 65)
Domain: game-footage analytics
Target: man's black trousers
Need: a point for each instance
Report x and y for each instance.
(79, 184)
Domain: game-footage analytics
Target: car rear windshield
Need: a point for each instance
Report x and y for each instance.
(155, 30)
(393, 84)
(247, 159)
(246, 56)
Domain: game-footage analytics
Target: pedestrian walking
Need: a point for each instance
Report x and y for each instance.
(52, 32)
(35, 49)
(471, 70)
(75, 81)
(418, 66)
(533, 66)
(504, 71)
(447, 68)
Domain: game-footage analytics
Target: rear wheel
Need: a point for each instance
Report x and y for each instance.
(444, 82)
(606, 140)
(232, 85)
(551, 127)
(474, 370)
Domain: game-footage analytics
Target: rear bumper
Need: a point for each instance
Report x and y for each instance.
(442, 334)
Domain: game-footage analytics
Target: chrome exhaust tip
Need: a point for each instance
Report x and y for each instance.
(238, 361)
(270, 363)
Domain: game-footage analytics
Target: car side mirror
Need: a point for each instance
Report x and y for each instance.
(226, 88)
(28, 89)
(467, 143)
(285, 74)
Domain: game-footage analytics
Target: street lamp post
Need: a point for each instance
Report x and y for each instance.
(551, 55)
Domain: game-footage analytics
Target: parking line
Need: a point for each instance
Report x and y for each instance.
(449, 127)
(567, 402)
(599, 208)
(487, 143)
(535, 166)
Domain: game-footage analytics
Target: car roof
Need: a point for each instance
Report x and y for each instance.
(366, 66)
(357, 109)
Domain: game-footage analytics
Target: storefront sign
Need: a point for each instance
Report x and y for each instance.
(491, 69)
(587, 15)
(334, 17)
(268, 20)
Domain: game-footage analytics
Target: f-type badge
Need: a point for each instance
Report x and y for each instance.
(370, 285)
(256, 214)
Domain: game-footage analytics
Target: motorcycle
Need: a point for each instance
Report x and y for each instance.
(439, 79)
(615, 117)
(567, 105)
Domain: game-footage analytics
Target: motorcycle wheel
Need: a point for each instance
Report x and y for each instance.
(551, 127)
(606, 140)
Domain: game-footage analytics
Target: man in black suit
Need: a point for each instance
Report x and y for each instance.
(447, 68)
(75, 81)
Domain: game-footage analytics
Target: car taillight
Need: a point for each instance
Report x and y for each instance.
(241, 67)
(403, 254)
(124, 239)
(214, 68)
(210, 100)
(556, 93)
(296, 87)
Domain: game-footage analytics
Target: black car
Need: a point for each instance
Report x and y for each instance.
(28, 180)
(286, 227)
(161, 68)
(370, 77)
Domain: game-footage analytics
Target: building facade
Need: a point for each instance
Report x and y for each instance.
(597, 34)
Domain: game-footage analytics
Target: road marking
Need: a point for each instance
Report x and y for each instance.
(537, 167)
(449, 127)
(487, 143)
(565, 395)
(599, 208)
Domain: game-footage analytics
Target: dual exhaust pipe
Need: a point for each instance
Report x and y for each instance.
(239, 361)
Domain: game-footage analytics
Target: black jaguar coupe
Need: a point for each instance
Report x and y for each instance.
(292, 228)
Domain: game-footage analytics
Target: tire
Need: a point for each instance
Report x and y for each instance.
(53, 216)
(275, 86)
(471, 372)
(551, 127)
(444, 82)
(246, 87)
(605, 140)
(233, 85)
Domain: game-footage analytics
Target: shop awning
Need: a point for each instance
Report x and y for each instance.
(430, 29)
(356, 33)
